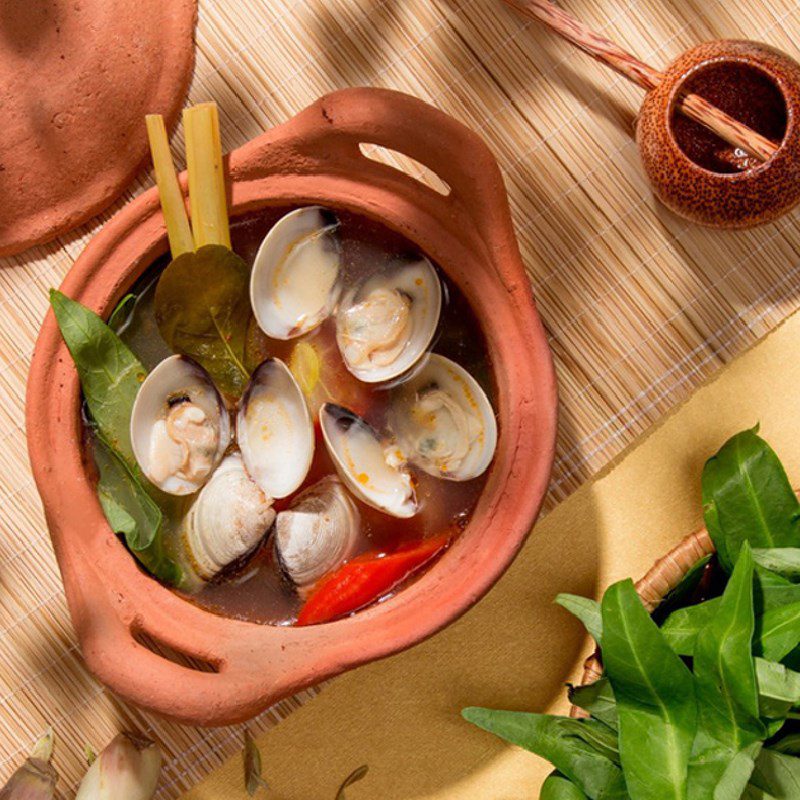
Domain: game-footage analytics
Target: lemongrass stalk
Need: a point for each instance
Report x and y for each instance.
(35, 779)
(207, 198)
(127, 769)
(169, 190)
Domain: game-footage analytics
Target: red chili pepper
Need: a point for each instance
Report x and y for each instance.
(364, 579)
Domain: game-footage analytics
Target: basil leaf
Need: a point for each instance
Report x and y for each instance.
(770, 591)
(598, 699)
(790, 744)
(130, 511)
(785, 561)
(655, 698)
(747, 497)
(202, 308)
(557, 787)
(778, 774)
(554, 738)
(778, 689)
(109, 372)
(778, 632)
(586, 610)
(682, 593)
(727, 696)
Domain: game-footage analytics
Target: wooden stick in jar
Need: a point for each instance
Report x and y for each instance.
(607, 52)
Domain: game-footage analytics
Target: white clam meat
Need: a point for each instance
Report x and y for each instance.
(384, 326)
(180, 426)
(317, 533)
(369, 469)
(443, 421)
(274, 430)
(227, 520)
(295, 285)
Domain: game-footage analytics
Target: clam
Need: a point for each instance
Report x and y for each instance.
(294, 285)
(316, 533)
(443, 421)
(274, 430)
(385, 324)
(370, 470)
(180, 426)
(227, 520)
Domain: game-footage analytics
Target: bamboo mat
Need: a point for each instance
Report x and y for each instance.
(640, 306)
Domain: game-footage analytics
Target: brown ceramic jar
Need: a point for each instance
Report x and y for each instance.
(313, 158)
(696, 174)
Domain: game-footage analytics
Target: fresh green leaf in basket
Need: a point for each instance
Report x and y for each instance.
(557, 787)
(683, 590)
(778, 632)
(109, 372)
(777, 774)
(778, 689)
(555, 739)
(202, 308)
(788, 743)
(598, 700)
(784, 561)
(131, 511)
(586, 610)
(727, 695)
(747, 497)
(655, 696)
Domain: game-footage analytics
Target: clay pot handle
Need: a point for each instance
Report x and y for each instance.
(331, 131)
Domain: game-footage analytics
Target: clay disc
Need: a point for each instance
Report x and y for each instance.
(76, 79)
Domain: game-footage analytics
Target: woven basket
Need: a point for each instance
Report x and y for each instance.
(661, 579)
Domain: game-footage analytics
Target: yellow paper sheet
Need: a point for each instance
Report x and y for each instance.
(515, 649)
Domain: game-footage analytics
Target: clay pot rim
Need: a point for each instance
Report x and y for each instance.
(791, 119)
(312, 158)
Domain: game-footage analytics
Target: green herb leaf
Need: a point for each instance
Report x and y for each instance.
(251, 759)
(747, 497)
(586, 610)
(778, 774)
(778, 632)
(655, 698)
(121, 315)
(557, 787)
(202, 308)
(110, 373)
(355, 776)
(554, 738)
(682, 592)
(131, 512)
(727, 695)
(778, 689)
(790, 744)
(785, 561)
(598, 699)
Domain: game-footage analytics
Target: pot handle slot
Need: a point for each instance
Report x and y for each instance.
(327, 137)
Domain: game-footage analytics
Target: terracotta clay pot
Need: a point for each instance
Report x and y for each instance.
(754, 83)
(313, 158)
(659, 581)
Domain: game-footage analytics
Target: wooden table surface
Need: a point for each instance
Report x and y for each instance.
(640, 306)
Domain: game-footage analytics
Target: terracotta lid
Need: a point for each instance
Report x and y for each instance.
(76, 80)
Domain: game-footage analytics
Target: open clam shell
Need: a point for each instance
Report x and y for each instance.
(385, 324)
(443, 421)
(227, 520)
(180, 427)
(294, 285)
(317, 532)
(274, 430)
(364, 465)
